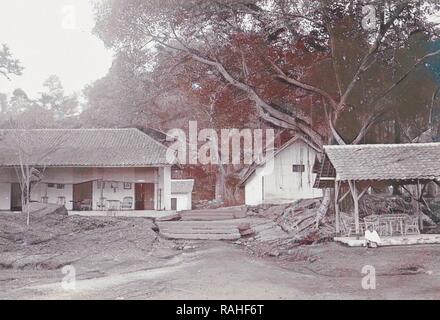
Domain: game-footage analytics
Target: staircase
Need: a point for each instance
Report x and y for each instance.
(207, 224)
(199, 230)
(213, 214)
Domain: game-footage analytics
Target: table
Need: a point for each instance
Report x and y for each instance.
(113, 204)
(391, 219)
(385, 223)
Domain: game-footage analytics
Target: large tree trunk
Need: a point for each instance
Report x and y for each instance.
(397, 139)
(220, 186)
(324, 207)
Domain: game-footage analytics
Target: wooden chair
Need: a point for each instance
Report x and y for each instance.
(86, 205)
(127, 203)
(102, 204)
(349, 226)
(383, 228)
(412, 225)
(379, 225)
(399, 224)
(61, 201)
(372, 220)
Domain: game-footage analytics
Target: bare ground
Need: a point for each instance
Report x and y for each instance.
(123, 258)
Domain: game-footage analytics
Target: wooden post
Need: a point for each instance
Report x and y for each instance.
(101, 201)
(356, 207)
(355, 197)
(337, 186)
(419, 214)
(102, 189)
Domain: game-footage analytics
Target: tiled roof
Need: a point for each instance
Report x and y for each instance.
(385, 161)
(81, 147)
(182, 186)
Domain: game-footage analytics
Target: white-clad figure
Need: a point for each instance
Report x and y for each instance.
(372, 238)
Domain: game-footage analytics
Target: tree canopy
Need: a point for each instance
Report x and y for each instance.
(8, 64)
(328, 69)
(49, 109)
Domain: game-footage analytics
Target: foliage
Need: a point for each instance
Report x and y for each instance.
(9, 65)
(48, 110)
(290, 59)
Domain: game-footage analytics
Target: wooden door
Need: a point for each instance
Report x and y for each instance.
(144, 196)
(82, 193)
(173, 203)
(15, 197)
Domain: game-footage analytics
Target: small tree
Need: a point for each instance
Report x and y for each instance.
(30, 158)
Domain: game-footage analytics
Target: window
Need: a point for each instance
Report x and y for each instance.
(60, 186)
(298, 168)
(100, 184)
(51, 185)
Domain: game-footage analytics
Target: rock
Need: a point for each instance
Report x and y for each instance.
(274, 253)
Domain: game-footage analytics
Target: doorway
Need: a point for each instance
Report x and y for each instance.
(83, 196)
(144, 196)
(15, 197)
(174, 204)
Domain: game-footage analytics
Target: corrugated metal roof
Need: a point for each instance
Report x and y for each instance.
(385, 161)
(81, 147)
(182, 186)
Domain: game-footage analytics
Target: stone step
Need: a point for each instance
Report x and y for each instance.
(211, 216)
(215, 211)
(206, 218)
(184, 228)
(201, 224)
(198, 230)
(223, 209)
(203, 236)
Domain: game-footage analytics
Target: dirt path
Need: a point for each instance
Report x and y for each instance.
(220, 270)
(216, 270)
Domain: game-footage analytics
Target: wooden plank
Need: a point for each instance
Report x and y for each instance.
(337, 218)
(393, 241)
(354, 193)
(195, 231)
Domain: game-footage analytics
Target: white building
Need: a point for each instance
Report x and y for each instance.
(285, 177)
(86, 169)
(181, 194)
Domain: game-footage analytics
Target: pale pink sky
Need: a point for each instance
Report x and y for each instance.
(52, 37)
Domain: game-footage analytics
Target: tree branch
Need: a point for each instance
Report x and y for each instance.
(283, 76)
(365, 64)
(405, 75)
(265, 110)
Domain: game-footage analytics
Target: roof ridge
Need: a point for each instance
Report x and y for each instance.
(383, 145)
(128, 146)
(151, 138)
(72, 129)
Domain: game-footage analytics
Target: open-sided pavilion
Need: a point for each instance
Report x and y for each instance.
(352, 169)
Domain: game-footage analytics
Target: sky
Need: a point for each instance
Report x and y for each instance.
(52, 37)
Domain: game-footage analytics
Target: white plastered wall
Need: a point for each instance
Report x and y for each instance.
(5, 196)
(184, 201)
(281, 184)
(161, 177)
